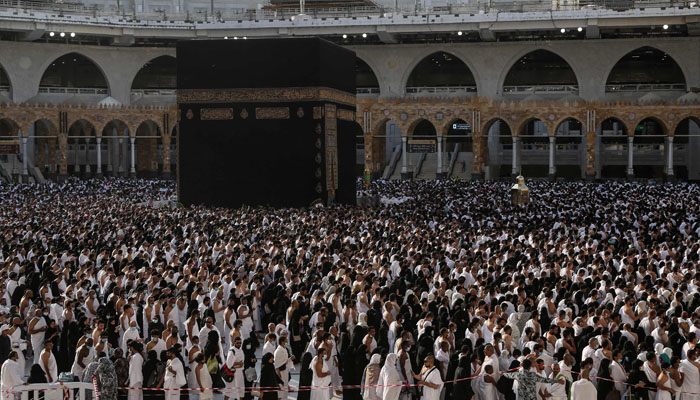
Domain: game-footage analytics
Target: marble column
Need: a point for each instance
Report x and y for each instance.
(132, 140)
(99, 156)
(439, 158)
(552, 167)
(630, 157)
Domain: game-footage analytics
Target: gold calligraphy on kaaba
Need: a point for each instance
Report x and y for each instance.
(272, 113)
(269, 95)
(214, 114)
(331, 136)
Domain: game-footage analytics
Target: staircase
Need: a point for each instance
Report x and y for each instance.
(393, 163)
(428, 170)
(463, 166)
(11, 167)
(396, 172)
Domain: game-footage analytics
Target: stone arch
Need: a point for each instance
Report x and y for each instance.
(497, 133)
(652, 118)
(366, 80)
(613, 118)
(73, 57)
(681, 121)
(540, 51)
(147, 147)
(115, 147)
(486, 126)
(561, 120)
(422, 127)
(151, 76)
(80, 159)
(449, 131)
(46, 146)
(9, 127)
(671, 67)
(5, 81)
(425, 55)
(529, 127)
(386, 135)
(650, 134)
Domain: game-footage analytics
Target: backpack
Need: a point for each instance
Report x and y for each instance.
(213, 366)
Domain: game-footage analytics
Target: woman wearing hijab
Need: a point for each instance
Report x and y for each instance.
(638, 381)
(371, 377)
(36, 375)
(305, 377)
(450, 376)
(348, 370)
(506, 384)
(269, 378)
(605, 385)
(389, 379)
(462, 389)
(358, 364)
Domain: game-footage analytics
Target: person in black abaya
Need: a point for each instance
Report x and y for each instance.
(605, 386)
(268, 377)
(355, 366)
(425, 345)
(462, 389)
(450, 376)
(505, 385)
(639, 381)
(305, 377)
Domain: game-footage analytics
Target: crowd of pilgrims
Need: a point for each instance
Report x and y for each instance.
(590, 291)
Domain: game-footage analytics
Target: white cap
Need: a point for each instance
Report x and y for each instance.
(5, 327)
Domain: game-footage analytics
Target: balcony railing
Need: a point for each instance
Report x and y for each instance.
(385, 8)
(367, 90)
(540, 89)
(441, 90)
(72, 90)
(153, 92)
(646, 87)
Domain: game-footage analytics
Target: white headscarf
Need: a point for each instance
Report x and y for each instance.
(389, 376)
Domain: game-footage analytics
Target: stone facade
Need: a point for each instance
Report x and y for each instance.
(54, 124)
(480, 113)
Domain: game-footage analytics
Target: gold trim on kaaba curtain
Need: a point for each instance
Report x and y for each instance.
(264, 95)
(331, 125)
(215, 114)
(272, 113)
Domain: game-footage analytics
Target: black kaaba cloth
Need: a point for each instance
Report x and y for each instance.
(265, 122)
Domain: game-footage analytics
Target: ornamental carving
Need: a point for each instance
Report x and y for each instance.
(318, 112)
(272, 113)
(215, 114)
(189, 114)
(300, 112)
(244, 113)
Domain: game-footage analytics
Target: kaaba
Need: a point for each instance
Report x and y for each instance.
(265, 122)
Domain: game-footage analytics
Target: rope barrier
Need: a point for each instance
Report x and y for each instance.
(312, 387)
(94, 385)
